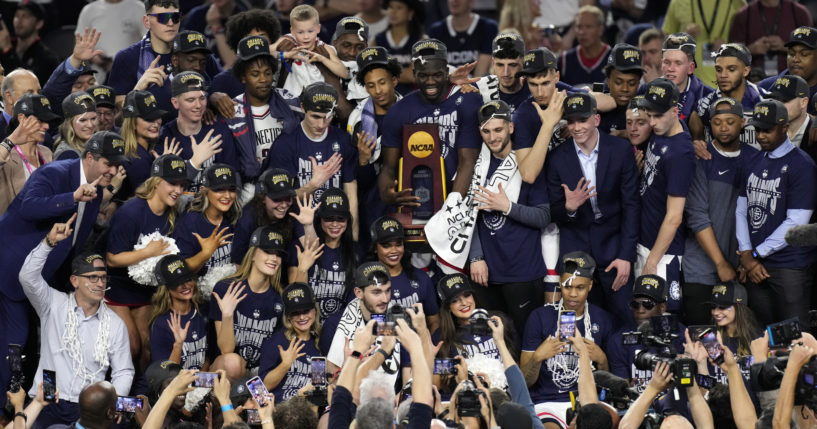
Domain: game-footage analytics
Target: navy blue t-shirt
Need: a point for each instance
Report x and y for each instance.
(292, 152)
(227, 83)
(621, 357)
(402, 53)
(501, 237)
(772, 187)
(299, 374)
(556, 376)
(465, 47)
(138, 170)
(526, 126)
(407, 292)
(130, 222)
(257, 317)
(614, 120)
(516, 99)
(456, 117)
(226, 156)
(243, 229)
(327, 278)
(194, 349)
(196, 222)
(669, 166)
(472, 345)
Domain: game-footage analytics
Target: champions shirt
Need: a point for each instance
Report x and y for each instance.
(465, 47)
(293, 151)
(299, 374)
(407, 292)
(327, 278)
(751, 96)
(196, 222)
(669, 167)
(559, 374)
(456, 117)
(194, 349)
(256, 317)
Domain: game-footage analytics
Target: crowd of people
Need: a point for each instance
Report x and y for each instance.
(411, 214)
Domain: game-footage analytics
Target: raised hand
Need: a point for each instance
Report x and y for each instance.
(170, 147)
(232, 297)
(578, 196)
(365, 146)
(86, 192)
(27, 131)
(661, 377)
(322, 173)
(553, 113)
(460, 75)
(85, 45)
(119, 177)
(205, 150)
(306, 210)
(154, 75)
(313, 249)
(497, 201)
(179, 331)
(293, 352)
(216, 239)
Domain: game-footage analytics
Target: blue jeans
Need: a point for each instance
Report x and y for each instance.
(785, 294)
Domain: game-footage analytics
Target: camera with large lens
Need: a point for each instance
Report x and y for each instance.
(657, 336)
(397, 312)
(684, 371)
(479, 323)
(468, 400)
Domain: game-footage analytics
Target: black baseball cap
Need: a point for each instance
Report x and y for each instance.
(84, 263)
(661, 95)
(728, 293)
(624, 58)
(737, 50)
(172, 271)
(579, 263)
(334, 202)
(298, 297)
(637, 102)
(537, 61)
(220, 176)
(171, 168)
(680, 41)
(429, 49)
(103, 95)
(806, 36)
(109, 145)
(371, 274)
(788, 87)
(251, 47)
(276, 183)
(767, 114)
(452, 286)
(651, 286)
(580, 105)
(496, 109)
(319, 97)
(370, 57)
(156, 374)
(507, 43)
(735, 108)
(186, 82)
(142, 104)
(35, 105)
(386, 229)
(32, 6)
(352, 25)
(78, 103)
(188, 41)
(268, 239)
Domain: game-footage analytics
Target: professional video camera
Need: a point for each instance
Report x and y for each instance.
(468, 400)
(614, 390)
(658, 336)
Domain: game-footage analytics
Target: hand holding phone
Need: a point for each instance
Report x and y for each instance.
(128, 404)
(318, 371)
(567, 325)
(49, 385)
(713, 348)
(206, 379)
(258, 391)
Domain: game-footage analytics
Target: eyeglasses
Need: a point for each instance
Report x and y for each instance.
(648, 304)
(166, 17)
(96, 279)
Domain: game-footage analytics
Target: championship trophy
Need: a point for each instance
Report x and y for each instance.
(422, 169)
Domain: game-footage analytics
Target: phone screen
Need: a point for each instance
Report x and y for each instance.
(713, 348)
(258, 391)
(128, 404)
(15, 358)
(253, 418)
(706, 381)
(567, 325)
(206, 379)
(318, 371)
(49, 385)
(443, 366)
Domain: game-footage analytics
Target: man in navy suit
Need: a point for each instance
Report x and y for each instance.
(53, 194)
(599, 215)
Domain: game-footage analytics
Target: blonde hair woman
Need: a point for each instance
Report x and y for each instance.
(79, 125)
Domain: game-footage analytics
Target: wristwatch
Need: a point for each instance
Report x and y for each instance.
(111, 189)
(755, 255)
(7, 144)
(476, 259)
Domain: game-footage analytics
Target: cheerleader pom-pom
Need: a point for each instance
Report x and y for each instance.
(143, 272)
(493, 368)
(213, 276)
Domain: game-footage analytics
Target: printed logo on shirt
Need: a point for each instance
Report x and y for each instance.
(650, 169)
(193, 352)
(304, 175)
(564, 370)
(250, 334)
(762, 196)
(493, 220)
(328, 287)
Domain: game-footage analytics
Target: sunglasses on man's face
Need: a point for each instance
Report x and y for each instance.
(166, 17)
(648, 304)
